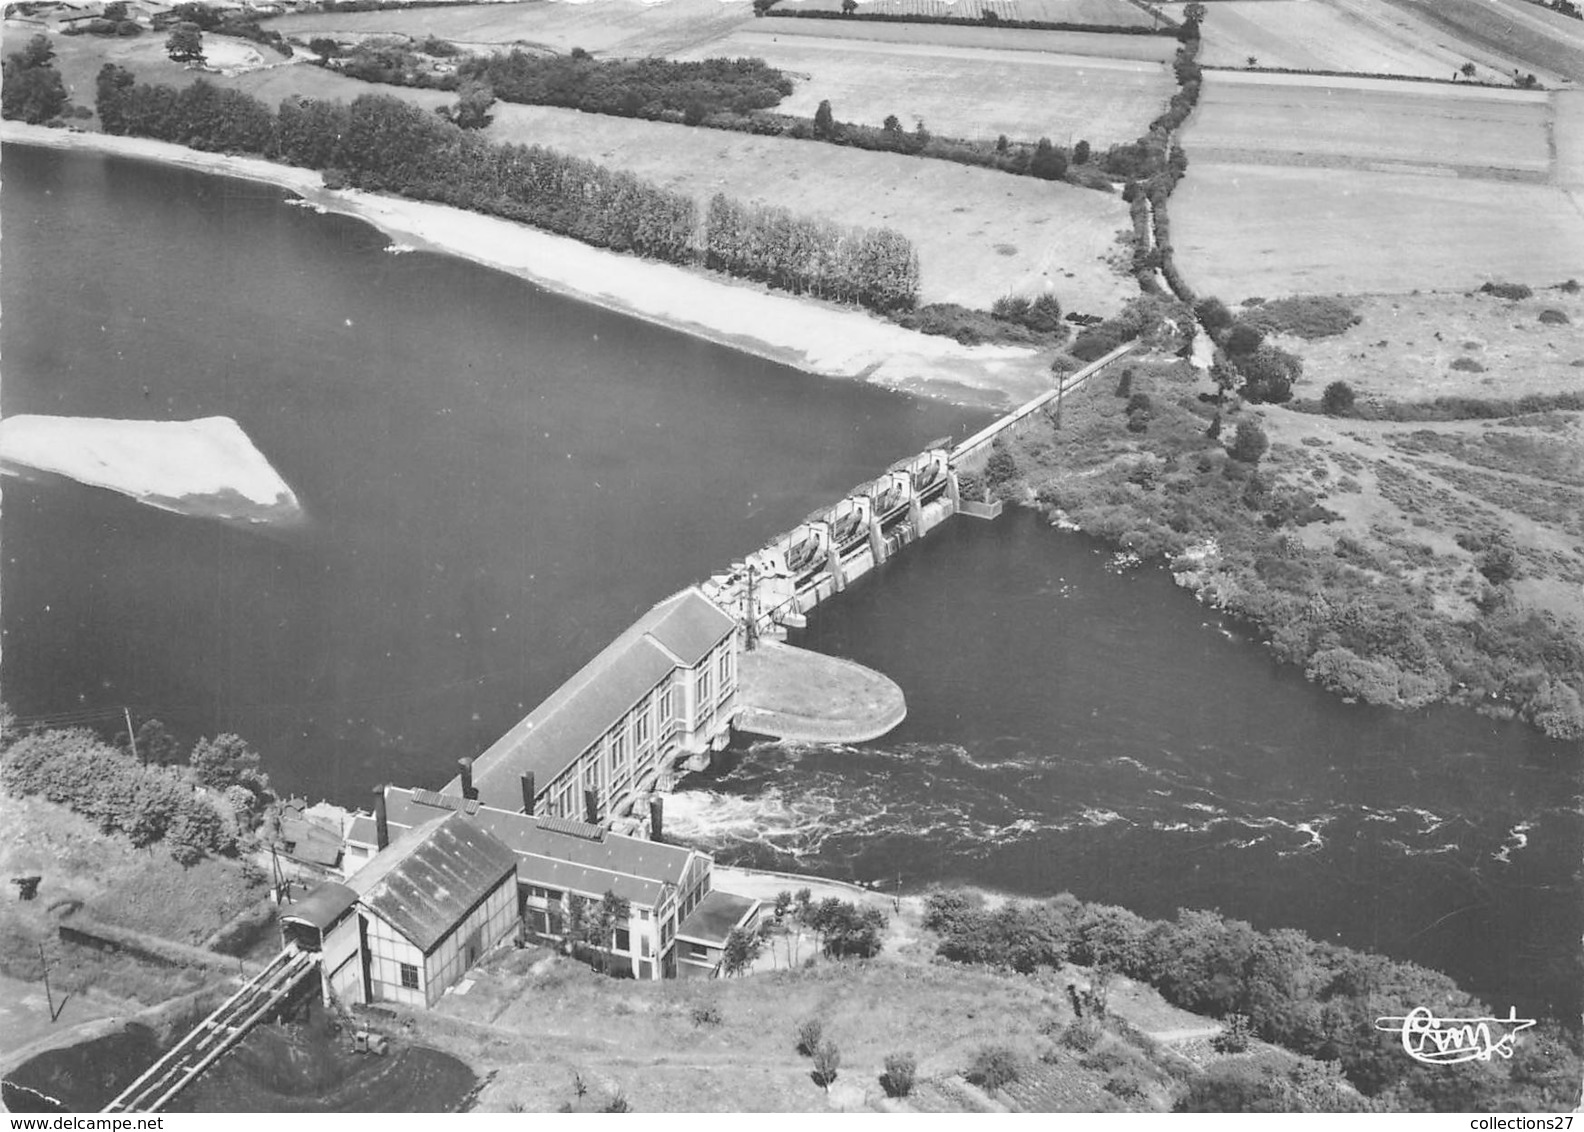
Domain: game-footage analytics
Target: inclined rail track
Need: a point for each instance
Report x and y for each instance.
(216, 1034)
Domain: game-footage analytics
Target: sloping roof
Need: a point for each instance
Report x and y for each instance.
(714, 918)
(309, 841)
(323, 906)
(690, 625)
(425, 882)
(681, 630)
(552, 856)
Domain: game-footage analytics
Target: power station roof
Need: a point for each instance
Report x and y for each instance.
(678, 632)
(425, 882)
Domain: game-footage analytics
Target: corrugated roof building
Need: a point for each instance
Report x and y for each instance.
(559, 860)
(408, 924)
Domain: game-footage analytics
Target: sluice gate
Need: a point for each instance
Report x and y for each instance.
(775, 586)
(211, 1038)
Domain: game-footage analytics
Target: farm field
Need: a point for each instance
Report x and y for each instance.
(1522, 34)
(1363, 121)
(1110, 13)
(1365, 36)
(1062, 97)
(1267, 230)
(609, 27)
(1145, 48)
(1380, 187)
(980, 234)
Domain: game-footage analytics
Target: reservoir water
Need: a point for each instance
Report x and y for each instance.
(497, 480)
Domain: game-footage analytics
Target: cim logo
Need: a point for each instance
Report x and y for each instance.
(1448, 1041)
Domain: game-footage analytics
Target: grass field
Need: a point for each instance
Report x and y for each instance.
(1062, 97)
(1144, 48)
(609, 27)
(980, 234)
(1367, 36)
(1517, 33)
(1110, 13)
(1381, 187)
(1362, 122)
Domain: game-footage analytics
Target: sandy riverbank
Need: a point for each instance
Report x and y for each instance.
(813, 336)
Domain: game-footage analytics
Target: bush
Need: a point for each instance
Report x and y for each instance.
(1213, 315)
(1242, 338)
(1000, 468)
(1467, 365)
(1553, 317)
(1235, 1038)
(809, 1033)
(1249, 443)
(827, 1060)
(1305, 316)
(1337, 400)
(1124, 387)
(1512, 291)
(706, 1014)
(1082, 1034)
(900, 1070)
(995, 1067)
(1268, 375)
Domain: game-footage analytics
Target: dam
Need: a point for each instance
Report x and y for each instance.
(710, 660)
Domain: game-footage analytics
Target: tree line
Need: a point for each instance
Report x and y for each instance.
(384, 144)
(150, 803)
(1317, 999)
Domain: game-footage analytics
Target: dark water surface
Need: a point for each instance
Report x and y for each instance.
(498, 480)
(1072, 727)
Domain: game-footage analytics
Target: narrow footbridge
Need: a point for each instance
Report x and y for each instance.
(211, 1038)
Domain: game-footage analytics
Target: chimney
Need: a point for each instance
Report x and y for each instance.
(467, 779)
(381, 822)
(528, 792)
(657, 818)
(591, 805)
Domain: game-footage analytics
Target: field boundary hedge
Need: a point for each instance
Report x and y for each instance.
(1375, 75)
(960, 21)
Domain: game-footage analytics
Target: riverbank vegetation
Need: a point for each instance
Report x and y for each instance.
(1392, 594)
(1316, 999)
(385, 144)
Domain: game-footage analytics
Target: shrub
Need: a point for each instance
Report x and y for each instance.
(1467, 365)
(900, 1070)
(1139, 403)
(1306, 316)
(1000, 468)
(1553, 317)
(1498, 563)
(809, 1033)
(1268, 375)
(1337, 400)
(706, 1014)
(1213, 314)
(995, 1067)
(1243, 338)
(1249, 443)
(1082, 1034)
(1235, 1038)
(1124, 387)
(827, 1060)
(1512, 291)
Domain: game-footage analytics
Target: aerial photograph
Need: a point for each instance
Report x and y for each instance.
(791, 556)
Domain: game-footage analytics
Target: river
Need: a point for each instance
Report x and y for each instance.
(498, 479)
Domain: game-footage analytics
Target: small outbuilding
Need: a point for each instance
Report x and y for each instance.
(409, 924)
(701, 937)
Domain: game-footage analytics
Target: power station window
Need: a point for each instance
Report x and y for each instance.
(409, 976)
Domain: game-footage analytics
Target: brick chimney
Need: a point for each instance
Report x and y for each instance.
(528, 792)
(591, 806)
(467, 779)
(657, 818)
(381, 821)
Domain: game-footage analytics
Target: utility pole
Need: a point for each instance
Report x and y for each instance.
(131, 735)
(49, 995)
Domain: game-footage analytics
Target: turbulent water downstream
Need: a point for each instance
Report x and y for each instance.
(496, 481)
(1076, 726)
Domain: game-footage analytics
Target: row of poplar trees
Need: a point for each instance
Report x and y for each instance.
(385, 144)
